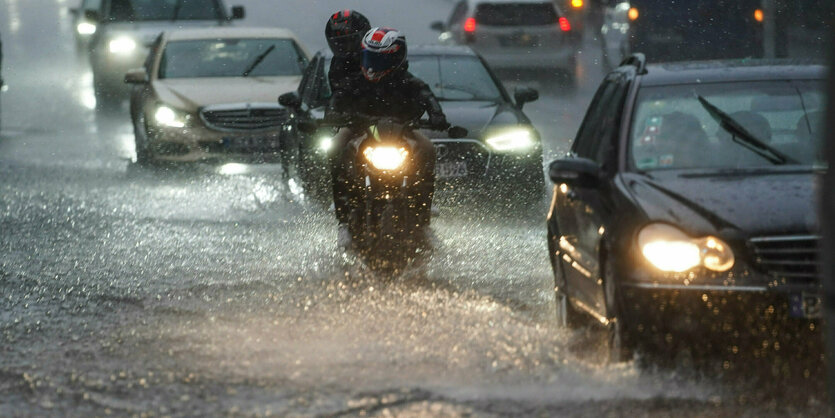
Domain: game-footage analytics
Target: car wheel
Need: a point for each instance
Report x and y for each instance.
(619, 337)
(140, 140)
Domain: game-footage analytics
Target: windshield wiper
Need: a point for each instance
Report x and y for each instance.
(177, 8)
(258, 60)
(743, 137)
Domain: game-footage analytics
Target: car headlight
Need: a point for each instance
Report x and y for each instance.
(386, 158)
(512, 140)
(167, 116)
(671, 250)
(325, 143)
(86, 28)
(122, 46)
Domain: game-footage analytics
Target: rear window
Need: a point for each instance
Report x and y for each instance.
(516, 14)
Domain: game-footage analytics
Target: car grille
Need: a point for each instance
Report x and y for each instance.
(794, 259)
(244, 117)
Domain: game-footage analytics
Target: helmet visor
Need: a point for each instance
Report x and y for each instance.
(376, 65)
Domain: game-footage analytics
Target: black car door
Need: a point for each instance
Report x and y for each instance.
(581, 211)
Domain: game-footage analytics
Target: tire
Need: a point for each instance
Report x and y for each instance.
(619, 338)
(144, 155)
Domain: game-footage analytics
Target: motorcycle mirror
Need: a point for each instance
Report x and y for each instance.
(457, 132)
(307, 127)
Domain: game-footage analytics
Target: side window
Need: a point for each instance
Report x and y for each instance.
(306, 84)
(457, 13)
(610, 122)
(588, 138)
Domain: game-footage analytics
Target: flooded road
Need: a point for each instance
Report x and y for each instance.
(203, 290)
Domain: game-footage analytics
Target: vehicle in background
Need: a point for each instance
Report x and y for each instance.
(693, 30)
(502, 153)
(125, 29)
(83, 27)
(515, 34)
(211, 93)
(688, 202)
(577, 12)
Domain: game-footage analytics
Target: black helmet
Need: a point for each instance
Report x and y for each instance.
(344, 31)
(383, 52)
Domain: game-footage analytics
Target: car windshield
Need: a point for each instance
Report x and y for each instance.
(516, 14)
(455, 78)
(672, 129)
(139, 10)
(231, 58)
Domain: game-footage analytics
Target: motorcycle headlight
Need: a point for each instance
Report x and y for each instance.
(325, 143)
(386, 157)
(122, 46)
(671, 250)
(86, 28)
(167, 116)
(512, 140)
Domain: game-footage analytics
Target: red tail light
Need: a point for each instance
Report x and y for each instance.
(565, 25)
(469, 25)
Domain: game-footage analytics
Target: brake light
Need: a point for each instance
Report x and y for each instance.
(632, 13)
(576, 4)
(565, 25)
(469, 25)
(759, 16)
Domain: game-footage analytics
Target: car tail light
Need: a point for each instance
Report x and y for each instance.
(759, 16)
(565, 25)
(469, 25)
(633, 13)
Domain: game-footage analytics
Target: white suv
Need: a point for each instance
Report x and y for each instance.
(514, 34)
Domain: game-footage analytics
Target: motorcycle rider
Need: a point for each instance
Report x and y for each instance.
(388, 90)
(344, 32)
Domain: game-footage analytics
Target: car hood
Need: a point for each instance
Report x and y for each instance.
(190, 94)
(146, 32)
(753, 204)
(479, 117)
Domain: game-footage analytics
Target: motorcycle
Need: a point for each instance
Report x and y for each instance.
(384, 179)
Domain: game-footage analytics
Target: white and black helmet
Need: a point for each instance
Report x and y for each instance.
(383, 52)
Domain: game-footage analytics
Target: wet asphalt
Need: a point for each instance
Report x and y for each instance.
(192, 291)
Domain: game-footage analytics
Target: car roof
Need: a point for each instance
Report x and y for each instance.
(424, 50)
(731, 71)
(228, 32)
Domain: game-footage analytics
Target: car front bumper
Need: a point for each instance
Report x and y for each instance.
(198, 143)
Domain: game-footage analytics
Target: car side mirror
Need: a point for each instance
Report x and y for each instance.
(575, 172)
(290, 100)
(438, 26)
(92, 15)
(525, 95)
(238, 12)
(138, 76)
(457, 132)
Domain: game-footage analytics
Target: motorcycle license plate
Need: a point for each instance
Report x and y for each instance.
(805, 305)
(451, 169)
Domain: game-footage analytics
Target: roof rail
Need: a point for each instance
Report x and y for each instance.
(638, 60)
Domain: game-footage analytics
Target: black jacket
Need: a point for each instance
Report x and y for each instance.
(400, 95)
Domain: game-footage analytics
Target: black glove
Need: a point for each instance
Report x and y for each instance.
(438, 121)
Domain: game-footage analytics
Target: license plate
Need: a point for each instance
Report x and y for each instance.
(451, 169)
(245, 143)
(805, 305)
(521, 39)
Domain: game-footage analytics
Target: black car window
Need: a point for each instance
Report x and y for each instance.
(588, 138)
(307, 77)
(458, 13)
(142, 10)
(152, 54)
(453, 78)
(316, 89)
(610, 121)
(516, 14)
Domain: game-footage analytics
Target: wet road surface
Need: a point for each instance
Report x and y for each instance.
(200, 291)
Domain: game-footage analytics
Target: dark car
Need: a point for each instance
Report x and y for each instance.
(84, 27)
(502, 148)
(689, 193)
(695, 30)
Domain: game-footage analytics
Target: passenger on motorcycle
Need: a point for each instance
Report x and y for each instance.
(387, 90)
